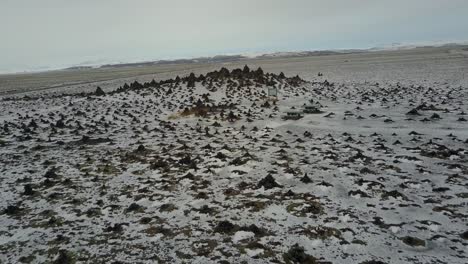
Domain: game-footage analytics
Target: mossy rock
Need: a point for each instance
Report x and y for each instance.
(93, 212)
(53, 221)
(395, 194)
(305, 209)
(28, 259)
(183, 255)
(464, 235)
(256, 206)
(253, 245)
(413, 241)
(226, 227)
(154, 230)
(167, 207)
(107, 169)
(85, 168)
(204, 247)
(359, 242)
(297, 255)
(462, 195)
(13, 210)
(135, 208)
(322, 232)
(65, 257)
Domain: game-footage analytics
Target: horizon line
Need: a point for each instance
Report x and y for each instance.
(245, 55)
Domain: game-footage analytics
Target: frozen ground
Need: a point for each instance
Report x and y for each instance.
(163, 172)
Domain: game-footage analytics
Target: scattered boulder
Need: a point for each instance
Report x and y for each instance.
(141, 149)
(305, 179)
(395, 194)
(296, 255)
(12, 210)
(413, 241)
(225, 227)
(464, 235)
(134, 208)
(268, 183)
(51, 174)
(358, 193)
(116, 228)
(167, 207)
(28, 190)
(65, 257)
(99, 92)
(413, 112)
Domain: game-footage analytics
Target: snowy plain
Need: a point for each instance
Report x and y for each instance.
(131, 176)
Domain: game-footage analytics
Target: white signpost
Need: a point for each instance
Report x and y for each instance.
(273, 91)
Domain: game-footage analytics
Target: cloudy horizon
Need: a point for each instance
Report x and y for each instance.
(51, 34)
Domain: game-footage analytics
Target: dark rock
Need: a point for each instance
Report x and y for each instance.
(221, 156)
(395, 194)
(159, 164)
(141, 148)
(116, 228)
(413, 241)
(134, 208)
(440, 189)
(167, 207)
(413, 112)
(225, 227)
(99, 92)
(28, 190)
(325, 184)
(50, 174)
(366, 170)
(464, 235)
(60, 124)
(239, 161)
(255, 229)
(188, 176)
(187, 160)
(205, 209)
(145, 220)
(93, 212)
(268, 183)
(305, 179)
(64, 257)
(85, 140)
(358, 192)
(48, 183)
(414, 133)
(296, 254)
(379, 222)
(12, 210)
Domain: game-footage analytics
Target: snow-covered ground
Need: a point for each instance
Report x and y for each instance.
(165, 173)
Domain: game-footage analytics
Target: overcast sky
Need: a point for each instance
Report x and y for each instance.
(39, 34)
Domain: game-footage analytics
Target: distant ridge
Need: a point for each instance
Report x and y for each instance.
(220, 59)
(287, 54)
